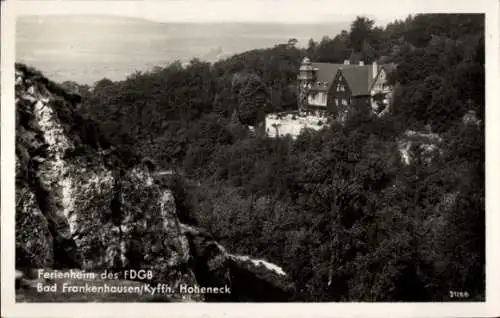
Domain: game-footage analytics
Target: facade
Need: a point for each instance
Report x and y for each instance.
(351, 89)
(315, 81)
(333, 88)
(381, 91)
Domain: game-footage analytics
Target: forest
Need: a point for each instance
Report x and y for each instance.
(336, 208)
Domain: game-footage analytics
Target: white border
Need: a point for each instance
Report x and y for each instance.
(487, 309)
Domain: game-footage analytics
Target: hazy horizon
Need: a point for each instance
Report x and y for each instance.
(216, 11)
(86, 48)
(113, 17)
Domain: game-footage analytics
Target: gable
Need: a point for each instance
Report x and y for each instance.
(359, 79)
(325, 73)
(340, 80)
(382, 76)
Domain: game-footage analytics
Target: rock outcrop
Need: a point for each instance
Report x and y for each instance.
(418, 145)
(82, 204)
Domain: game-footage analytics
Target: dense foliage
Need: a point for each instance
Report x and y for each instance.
(337, 208)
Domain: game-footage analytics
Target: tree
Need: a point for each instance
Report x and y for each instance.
(332, 50)
(336, 208)
(311, 48)
(253, 101)
(361, 31)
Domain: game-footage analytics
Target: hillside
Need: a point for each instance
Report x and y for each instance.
(369, 208)
(81, 204)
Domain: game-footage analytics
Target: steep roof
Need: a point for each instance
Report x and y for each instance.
(326, 73)
(359, 78)
(389, 67)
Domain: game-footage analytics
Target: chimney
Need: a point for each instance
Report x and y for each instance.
(361, 63)
(346, 62)
(374, 69)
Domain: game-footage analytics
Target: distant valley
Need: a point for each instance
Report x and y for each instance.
(86, 49)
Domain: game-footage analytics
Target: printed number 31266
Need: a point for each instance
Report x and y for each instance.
(459, 294)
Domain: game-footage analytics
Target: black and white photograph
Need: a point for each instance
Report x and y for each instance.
(249, 152)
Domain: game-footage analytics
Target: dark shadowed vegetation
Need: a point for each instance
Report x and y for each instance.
(337, 209)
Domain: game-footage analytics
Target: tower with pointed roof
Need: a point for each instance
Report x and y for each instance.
(305, 79)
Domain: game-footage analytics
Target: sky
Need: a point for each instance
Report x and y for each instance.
(280, 11)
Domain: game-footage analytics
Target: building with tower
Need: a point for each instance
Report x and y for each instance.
(335, 88)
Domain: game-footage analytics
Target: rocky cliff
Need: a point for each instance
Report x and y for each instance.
(82, 204)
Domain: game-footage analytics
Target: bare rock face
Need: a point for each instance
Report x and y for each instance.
(83, 205)
(250, 279)
(78, 204)
(33, 239)
(417, 145)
